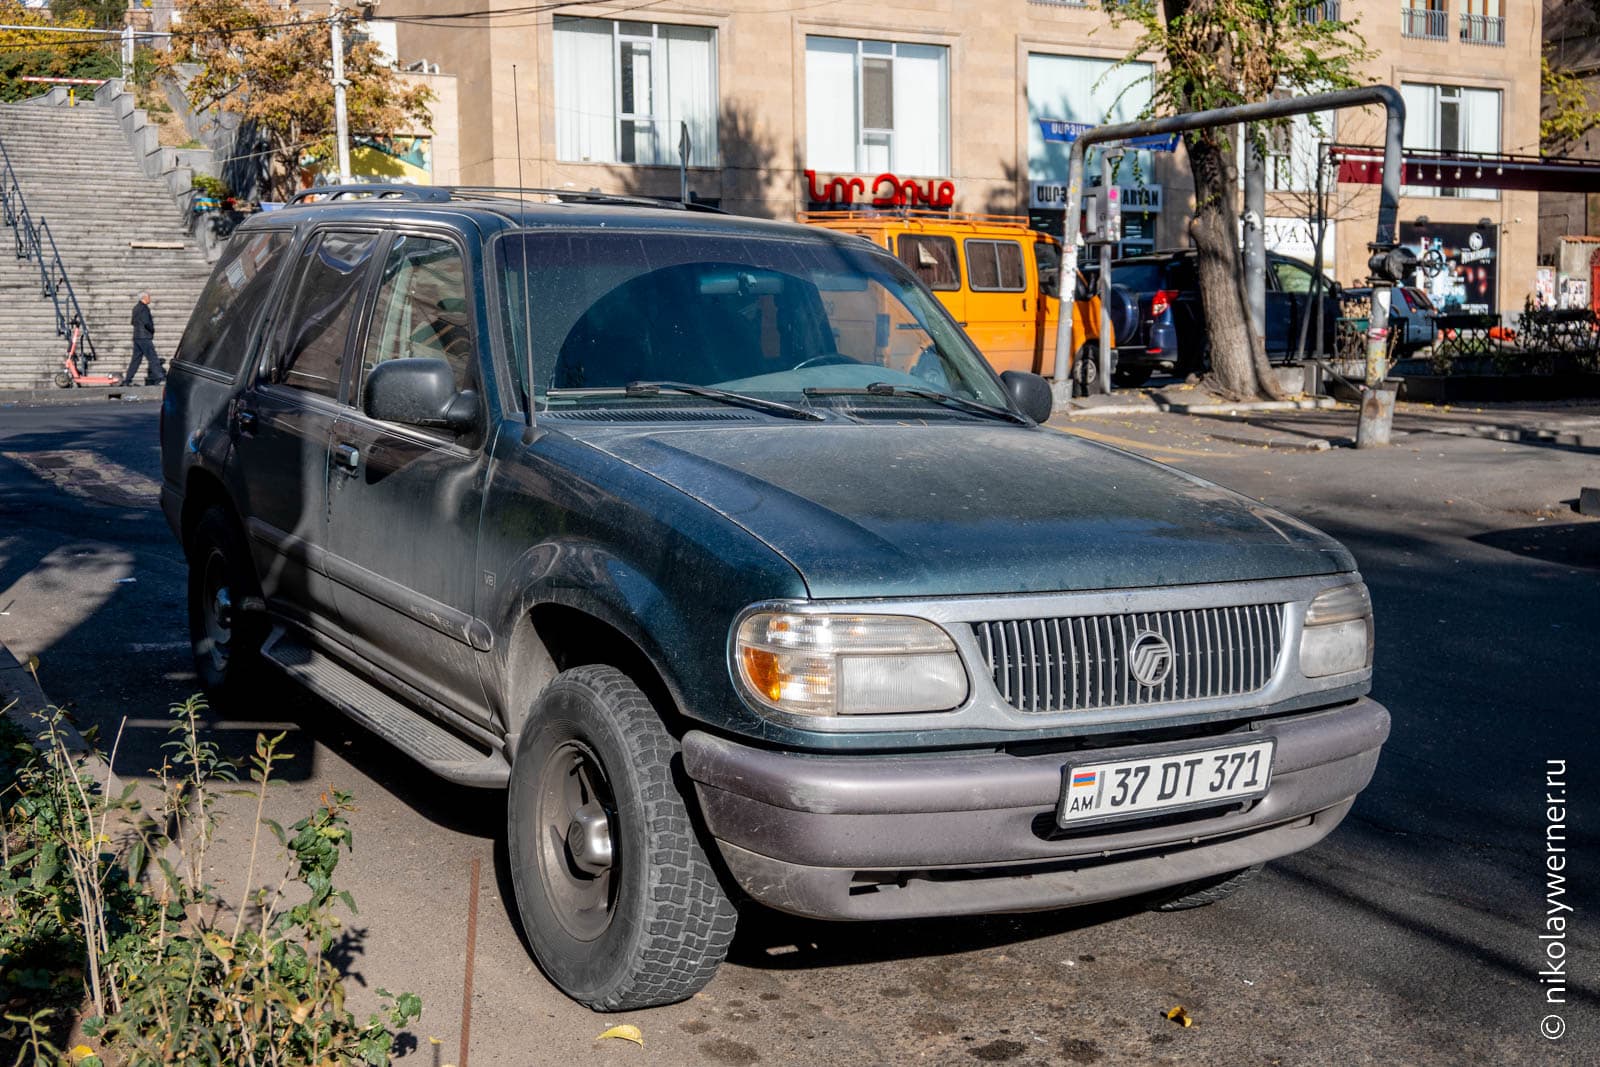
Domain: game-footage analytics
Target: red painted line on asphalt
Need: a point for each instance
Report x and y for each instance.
(472, 945)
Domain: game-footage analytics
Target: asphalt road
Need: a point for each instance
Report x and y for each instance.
(1411, 935)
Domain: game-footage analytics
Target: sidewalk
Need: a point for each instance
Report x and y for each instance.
(97, 394)
(1561, 424)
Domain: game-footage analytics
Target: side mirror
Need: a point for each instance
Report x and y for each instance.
(1081, 289)
(419, 392)
(1030, 393)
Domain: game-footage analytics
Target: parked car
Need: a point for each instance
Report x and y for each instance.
(1169, 333)
(1411, 317)
(715, 547)
(996, 275)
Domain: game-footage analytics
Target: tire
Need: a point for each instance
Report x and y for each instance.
(226, 640)
(62, 379)
(640, 920)
(1205, 891)
(1131, 377)
(1086, 369)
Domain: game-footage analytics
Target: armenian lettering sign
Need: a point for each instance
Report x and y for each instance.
(884, 191)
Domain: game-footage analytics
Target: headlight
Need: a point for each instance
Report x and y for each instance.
(1338, 632)
(809, 664)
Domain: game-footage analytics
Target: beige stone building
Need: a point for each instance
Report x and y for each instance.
(794, 104)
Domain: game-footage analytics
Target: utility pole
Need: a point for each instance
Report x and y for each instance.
(1255, 243)
(341, 118)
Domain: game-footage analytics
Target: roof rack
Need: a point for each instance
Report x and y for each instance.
(373, 191)
(438, 194)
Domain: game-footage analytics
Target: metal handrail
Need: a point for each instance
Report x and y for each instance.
(29, 241)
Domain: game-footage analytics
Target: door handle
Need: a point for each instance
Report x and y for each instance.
(247, 421)
(348, 457)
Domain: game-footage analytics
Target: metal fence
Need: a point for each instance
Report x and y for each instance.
(1431, 23)
(1484, 29)
(34, 242)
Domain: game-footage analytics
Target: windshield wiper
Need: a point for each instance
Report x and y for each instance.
(645, 389)
(885, 389)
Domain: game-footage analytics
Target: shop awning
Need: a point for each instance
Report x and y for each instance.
(1363, 165)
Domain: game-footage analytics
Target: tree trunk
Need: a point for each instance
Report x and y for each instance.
(1239, 368)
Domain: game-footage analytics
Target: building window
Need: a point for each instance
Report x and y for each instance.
(1451, 119)
(1294, 151)
(625, 90)
(874, 106)
(1081, 89)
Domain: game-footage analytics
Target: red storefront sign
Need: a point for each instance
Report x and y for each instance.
(887, 190)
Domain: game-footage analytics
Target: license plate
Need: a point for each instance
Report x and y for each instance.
(1094, 791)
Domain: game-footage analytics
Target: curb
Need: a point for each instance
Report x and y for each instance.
(87, 395)
(1155, 406)
(21, 699)
(1277, 444)
(1321, 403)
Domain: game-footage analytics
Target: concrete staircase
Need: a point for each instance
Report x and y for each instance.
(78, 172)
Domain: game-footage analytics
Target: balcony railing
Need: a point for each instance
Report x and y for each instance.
(1484, 29)
(1323, 11)
(1061, 3)
(1431, 23)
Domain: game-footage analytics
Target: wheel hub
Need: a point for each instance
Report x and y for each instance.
(222, 608)
(589, 839)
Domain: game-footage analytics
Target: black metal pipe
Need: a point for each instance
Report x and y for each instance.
(1362, 96)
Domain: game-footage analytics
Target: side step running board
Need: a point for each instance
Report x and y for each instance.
(418, 736)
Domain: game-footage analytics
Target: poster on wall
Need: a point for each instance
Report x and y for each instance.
(1544, 287)
(1457, 264)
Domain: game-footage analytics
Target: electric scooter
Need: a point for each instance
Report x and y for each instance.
(72, 372)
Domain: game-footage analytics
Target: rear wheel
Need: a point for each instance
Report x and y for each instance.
(1205, 891)
(62, 379)
(620, 904)
(1086, 369)
(226, 640)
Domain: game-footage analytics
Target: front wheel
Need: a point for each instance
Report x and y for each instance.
(62, 379)
(618, 899)
(1206, 891)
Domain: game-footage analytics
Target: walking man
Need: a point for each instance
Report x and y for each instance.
(144, 345)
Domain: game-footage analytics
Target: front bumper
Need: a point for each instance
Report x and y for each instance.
(884, 836)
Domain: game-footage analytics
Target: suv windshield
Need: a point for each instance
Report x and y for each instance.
(771, 318)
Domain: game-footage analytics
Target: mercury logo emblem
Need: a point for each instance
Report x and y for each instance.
(1149, 658)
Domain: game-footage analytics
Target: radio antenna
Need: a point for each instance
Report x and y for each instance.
(527, 300)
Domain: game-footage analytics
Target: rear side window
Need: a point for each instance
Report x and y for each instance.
(317, 326)
(231, 306)
(421, 310)
(1181, 275)
(995, 266)
(931, 258)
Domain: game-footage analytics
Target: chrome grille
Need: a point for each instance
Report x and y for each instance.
(1080, 663)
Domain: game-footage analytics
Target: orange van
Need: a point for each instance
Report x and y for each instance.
(995, 274)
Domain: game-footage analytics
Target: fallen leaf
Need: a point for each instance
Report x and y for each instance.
(80, 1053)
(1180, 1015)
(625, 1032)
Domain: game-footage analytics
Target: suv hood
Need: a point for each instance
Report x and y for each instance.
(954, 509)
